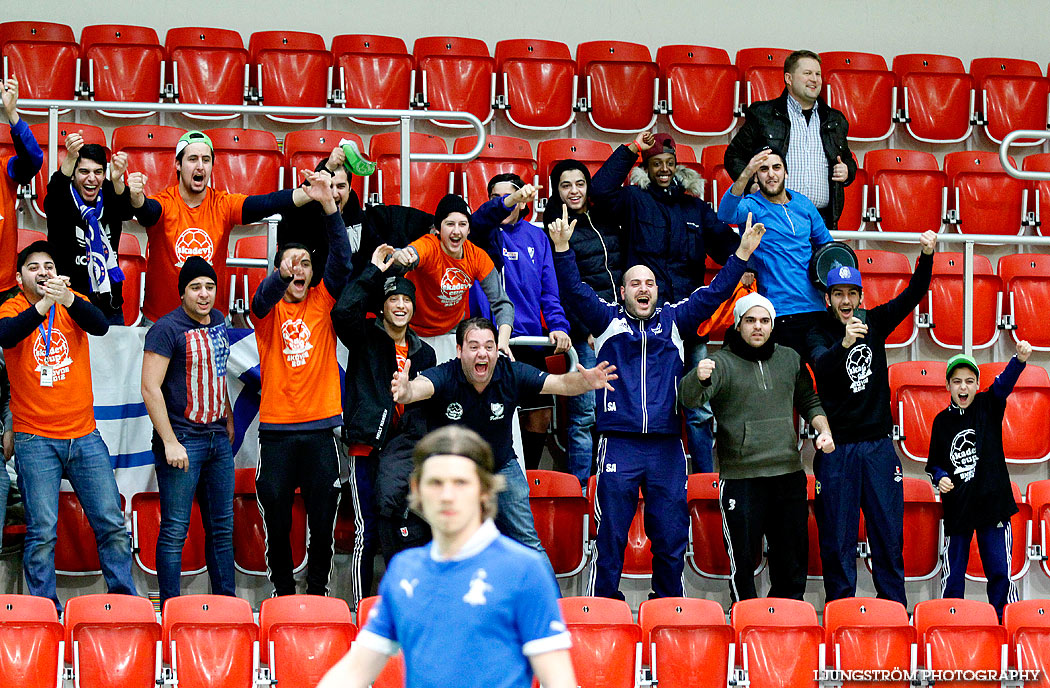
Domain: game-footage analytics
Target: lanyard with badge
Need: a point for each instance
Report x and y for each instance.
(47, 371)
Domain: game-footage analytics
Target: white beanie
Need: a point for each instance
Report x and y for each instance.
(746, 303)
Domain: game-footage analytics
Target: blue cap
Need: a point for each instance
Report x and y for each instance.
(843, 274)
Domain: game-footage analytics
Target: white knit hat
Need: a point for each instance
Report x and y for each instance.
(746, 303)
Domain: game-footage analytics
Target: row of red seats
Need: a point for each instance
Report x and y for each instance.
(536, 82)
(205, 640)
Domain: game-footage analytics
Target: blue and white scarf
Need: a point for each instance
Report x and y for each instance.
(103, 269)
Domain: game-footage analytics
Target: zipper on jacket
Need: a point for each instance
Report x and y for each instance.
(605, 252)
(762, 375)
(645, 409)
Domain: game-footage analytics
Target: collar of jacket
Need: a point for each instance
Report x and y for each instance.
(411, 338)
(686, 181)
(744, 350)
(781, 107)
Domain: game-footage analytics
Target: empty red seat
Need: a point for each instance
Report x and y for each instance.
(249, 534)
(151, 150)
(606, 651)
(958, 635)
(393, 674)
(1026, 280)
(885, 275)
(761, 73)
(292, 69)
(706, 553)
(247, 161)
(28, 236)
(124, 64)
(1013, 95)
(500, 155)
(700, 87)
(712, 159)
(374, 72)
(210, 640)
(31, 641)
(591, 153)
(1024, 441)
(945, 304)
(937, 97)
(1028, 633)
(782, 640)
(922, 531)
(906, 191)
(917, 395)
(537, 79)
(560, 512)
(620, 82)
(430, 180)
(76, 553)
(133, 267)
(1037, 495)
(145, 529)
(246, 280)
(455, 74)
(860, 85)
(852, 217)
(985, 200)
(304, 148)
(1040, 205)
(302, 636)
(44, 57)
(90, 134)
(113, 641)
(680, 635)
(864, 633)
(1020, 535)
(208, 66)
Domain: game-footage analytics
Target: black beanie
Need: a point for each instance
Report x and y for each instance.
(398, 285)
(195, 267)
(448, 205)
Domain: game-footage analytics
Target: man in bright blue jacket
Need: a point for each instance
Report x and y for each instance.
(638, 422)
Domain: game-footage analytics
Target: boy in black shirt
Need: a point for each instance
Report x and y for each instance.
(968, 466)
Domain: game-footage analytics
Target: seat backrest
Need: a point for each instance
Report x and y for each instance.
(501, 154)
(304, 148)
(782, 637)
(247, 161)
(679, 635)
(860, 85)
(75, 550)
(960, 163)
(559, 510)
(210, 66)
(212, 638)
(429, 179)
(1040, 162)
(922, 540)
(393, 674)
(712, 159)
(959, 634)
(702, 85)
(622, 78)
(917, 391)
(866, 633)
(117, 638)
(1023, 440)
(539, 82)
(761, 73)
(29, 635)
(1019, 541)
(133, 266)
(938, 96)
(1014, 95)
(376, 72)
(677, 611)
(28, 236)
(946, 300)
(459, 73)
(43, 57)
(910, 189)
(604, 641)
(294, 70)
(1028, 633)
(590, 153)
(309, 633)
(151, 150)
(126, 61)
(145, 518)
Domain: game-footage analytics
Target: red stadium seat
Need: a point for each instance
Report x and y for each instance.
(852, 217)
(1021, 538)
(455, 74)
(761, 73)
(945, 304)
(31, 642)
(685, 156)
(906, 191)
(700, 87)
(938, 97)
(124, 64)
(917, 395)
(620, 84)
(1037, 496)
(922, 531)
(538, 82)
(249, 535)
(76, 553)
(864, 633)
(90, 133)
(145, 528)
(780, 641)
(247, 280)
(133, 266)
(1026, 278)
(712, 159)
(985, 200)
(606, 643)
(560, 512)
(501, 154)
(885, 275)
(113, 641)
(1013, 95)
(374, 72)
(247, 161)
(1040, 206)
(593, 154)
(960, 635)
(304, 148)
(1028, 633)
(208, 67)
(302, 636)
(28, 236)
(129, 245)
(680, 635)
(860, 85)
(430, 180)
(292, 69)
(1023, 440)
(393, 674)
(44, 57)
(706, 554)
(151, 150)
(210, 640)
(637, 556)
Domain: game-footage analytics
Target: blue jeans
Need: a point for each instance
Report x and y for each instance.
(210, 477)
(581, 421)
(698, 420)
(84, 461)
(5, 489)
(514, 516)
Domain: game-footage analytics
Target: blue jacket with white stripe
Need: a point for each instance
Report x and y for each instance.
(648, 354)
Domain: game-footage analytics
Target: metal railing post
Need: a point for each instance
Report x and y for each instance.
(52, 140)
(968, 298)
(406, 162)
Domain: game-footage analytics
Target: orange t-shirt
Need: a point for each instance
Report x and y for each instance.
(66, 410)
(401, 352)
(300, 374)
(182, 232)
(442, 283)
(8, 228)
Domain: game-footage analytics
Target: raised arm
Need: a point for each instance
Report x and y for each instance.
(350, 314)
(28, 157)
(1005, 381)
(575, 294)
(272, 289)
(743, 145)
(900, 306)
(405, 391)
(607, 183)
(583, 380)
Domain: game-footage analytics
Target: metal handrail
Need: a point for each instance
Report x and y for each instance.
(574, 359)
(1004, 158)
